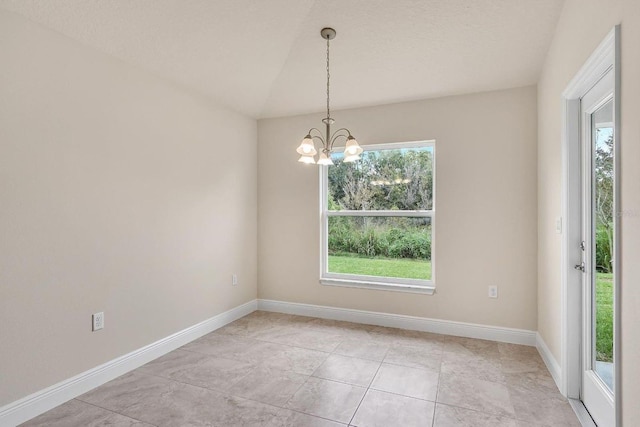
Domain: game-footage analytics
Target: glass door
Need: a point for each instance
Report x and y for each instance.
(598, 246)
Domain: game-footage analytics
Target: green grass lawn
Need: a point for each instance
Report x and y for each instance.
(417, 269)
(604, 317)
(404, 268)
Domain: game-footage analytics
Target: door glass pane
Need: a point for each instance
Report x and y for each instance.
(602, 131)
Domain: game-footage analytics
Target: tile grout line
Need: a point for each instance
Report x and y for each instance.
(302, 412)
(112, 411)
(301, 385)
(435, 403)
(290, 345)
(366, 391)
(411, 366)
(402, 395)
(257, 341)
(485, 413)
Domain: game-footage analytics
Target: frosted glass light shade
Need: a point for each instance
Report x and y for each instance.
(352, 147)
(324, 160)
(351, 159)
(309, 160)
(306, 147)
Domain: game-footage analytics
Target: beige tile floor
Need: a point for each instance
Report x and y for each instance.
(270, 369)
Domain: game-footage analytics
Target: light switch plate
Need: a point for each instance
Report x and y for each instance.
(559, 225)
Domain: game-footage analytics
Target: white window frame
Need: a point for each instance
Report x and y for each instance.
(377, 282)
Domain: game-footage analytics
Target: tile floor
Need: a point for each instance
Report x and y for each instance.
(270, 369)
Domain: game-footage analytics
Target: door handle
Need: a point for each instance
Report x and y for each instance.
(579, 267)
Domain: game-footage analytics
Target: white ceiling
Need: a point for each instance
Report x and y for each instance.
(265, 58)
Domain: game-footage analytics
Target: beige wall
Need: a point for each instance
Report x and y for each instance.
(117, 195)
(582, 26)
(485, 215)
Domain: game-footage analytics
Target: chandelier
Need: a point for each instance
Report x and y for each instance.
(307, 148)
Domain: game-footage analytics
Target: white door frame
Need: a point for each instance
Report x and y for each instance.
(603, 59)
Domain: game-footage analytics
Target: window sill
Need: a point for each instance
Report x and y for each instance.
(394, 287)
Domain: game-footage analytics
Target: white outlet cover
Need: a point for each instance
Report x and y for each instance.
(493, 292)
(98, 321)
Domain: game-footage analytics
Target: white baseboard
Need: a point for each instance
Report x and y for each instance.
(447, 327)
(44, 400)
(552, 364)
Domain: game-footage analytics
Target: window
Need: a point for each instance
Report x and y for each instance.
(377, 218)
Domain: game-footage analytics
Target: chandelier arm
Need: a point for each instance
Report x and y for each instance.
(335, 138)
(321, 139)
(335, 134)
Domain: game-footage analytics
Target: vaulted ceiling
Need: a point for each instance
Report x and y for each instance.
(265, 58)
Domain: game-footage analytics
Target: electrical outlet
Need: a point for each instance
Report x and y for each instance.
(493, 291)
(98, 321)
(234, 279)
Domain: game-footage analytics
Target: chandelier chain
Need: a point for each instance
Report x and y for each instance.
(328, 80)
